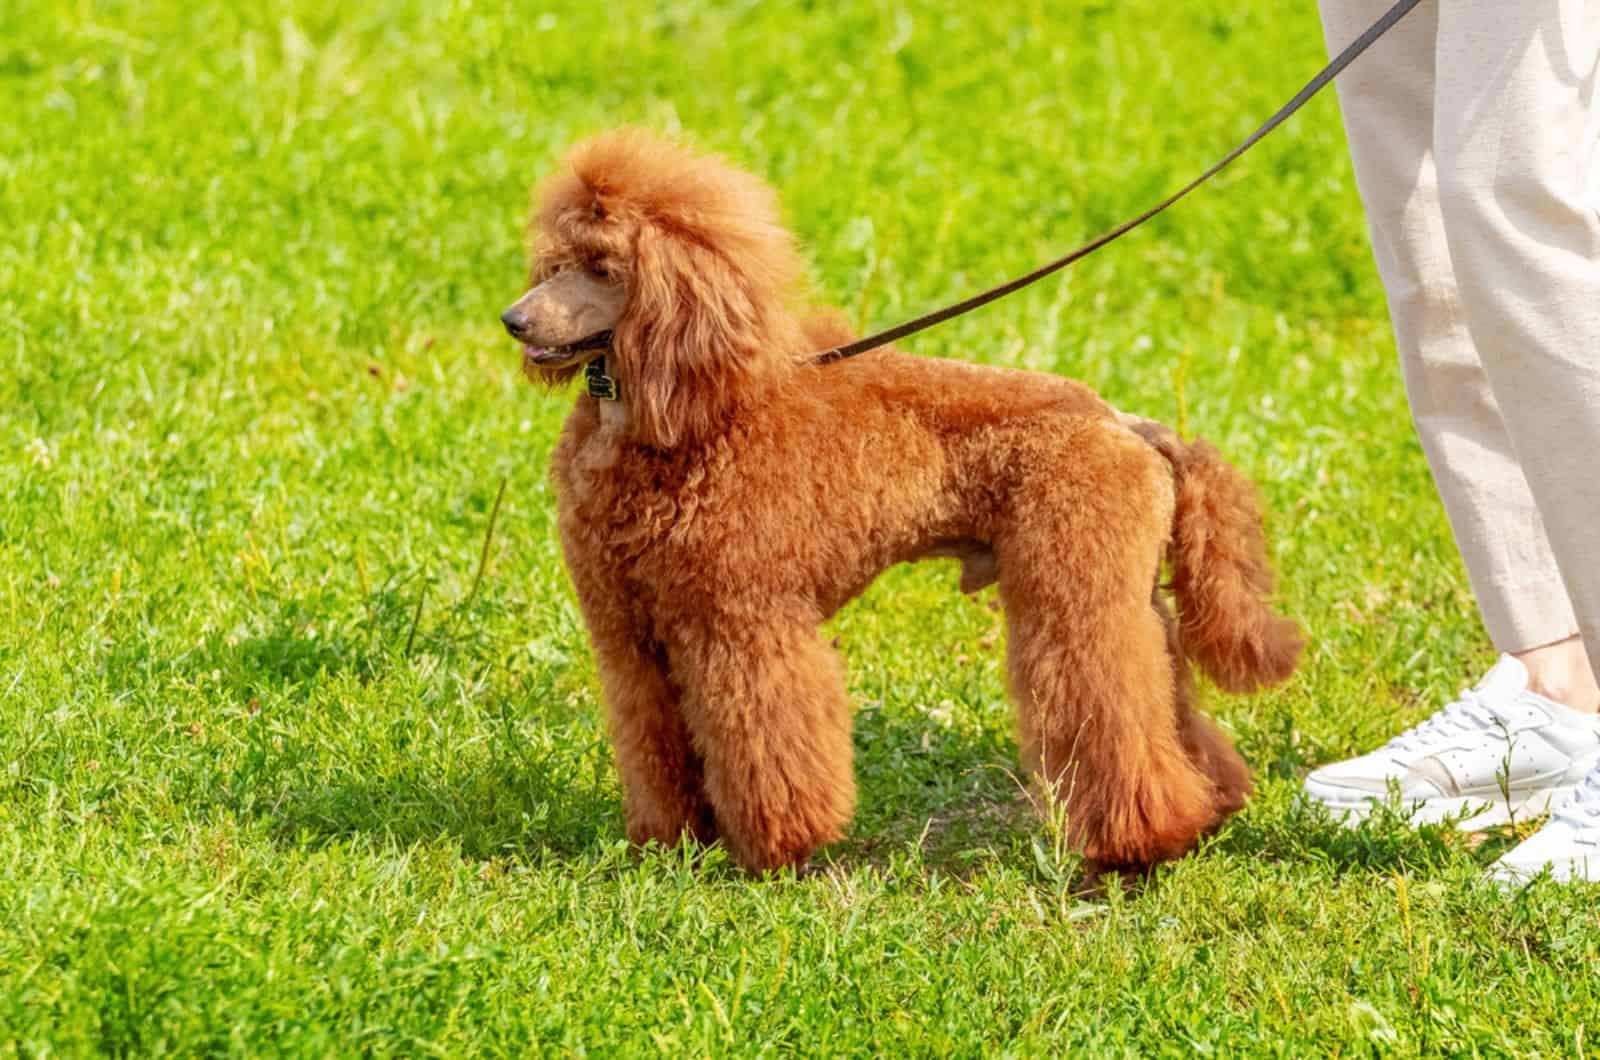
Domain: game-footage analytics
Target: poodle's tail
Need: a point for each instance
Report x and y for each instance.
(1220, 573)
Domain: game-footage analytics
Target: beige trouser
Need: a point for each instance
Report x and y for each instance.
(1476, 139)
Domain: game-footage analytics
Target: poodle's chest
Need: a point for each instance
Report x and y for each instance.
(614, 502)
(592, 453)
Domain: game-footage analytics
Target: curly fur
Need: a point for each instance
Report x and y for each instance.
(739, 495)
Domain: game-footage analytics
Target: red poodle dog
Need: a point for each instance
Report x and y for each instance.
(721, 495)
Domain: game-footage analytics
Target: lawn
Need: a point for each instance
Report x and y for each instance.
(297, 757)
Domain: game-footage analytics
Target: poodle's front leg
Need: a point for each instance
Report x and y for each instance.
(765, 699)
(662, 797)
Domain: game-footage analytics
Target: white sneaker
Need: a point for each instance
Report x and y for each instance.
(1568, 844)
(1454, 763)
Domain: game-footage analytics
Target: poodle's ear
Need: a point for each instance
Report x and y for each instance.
(695, 336)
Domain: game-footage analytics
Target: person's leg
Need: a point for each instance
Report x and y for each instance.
(1517, 133)
(1562, 672)
(1517, 141)
(1510, 746)
(1387, 98)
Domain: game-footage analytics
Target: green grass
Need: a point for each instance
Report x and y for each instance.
(273, 779)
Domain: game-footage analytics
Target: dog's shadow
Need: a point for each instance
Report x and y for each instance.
(950, 793)
(992, 818)
(955, 797)
(547, 788)
(961, 811)
(287, 644)
(1281, 825)
(540, 784)
(503, 807)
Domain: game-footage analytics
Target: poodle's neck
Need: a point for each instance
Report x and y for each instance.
(614, 417)
(710, 391)
(615, 425)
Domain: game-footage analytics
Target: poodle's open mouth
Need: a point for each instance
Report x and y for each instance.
(555, 356)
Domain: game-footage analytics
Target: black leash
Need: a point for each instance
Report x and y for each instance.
(1317, 84)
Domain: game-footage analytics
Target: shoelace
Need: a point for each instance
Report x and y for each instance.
(1584, 803)
(1469, 713)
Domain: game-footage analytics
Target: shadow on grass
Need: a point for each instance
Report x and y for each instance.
(285, 656)
(952, 795)
(504, 809)
(289, 645)
(994, 827)
(1287, 828)
(553, 792)
(301, 640)
(951, 791)
(951, 801)
(953, 840)
(290, 642)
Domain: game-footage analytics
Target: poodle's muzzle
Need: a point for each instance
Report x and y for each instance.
(570, 314)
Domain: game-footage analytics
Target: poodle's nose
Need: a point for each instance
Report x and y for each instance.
(514, 321)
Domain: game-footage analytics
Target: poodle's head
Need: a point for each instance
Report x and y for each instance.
(671, 263)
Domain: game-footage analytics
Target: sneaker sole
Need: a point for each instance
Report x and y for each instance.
(1579, 869)
(1490, 813)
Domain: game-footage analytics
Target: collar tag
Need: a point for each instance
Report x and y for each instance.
(600, 385)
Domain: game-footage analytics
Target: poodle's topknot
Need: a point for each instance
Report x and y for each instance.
(644, 179)
(711, 276)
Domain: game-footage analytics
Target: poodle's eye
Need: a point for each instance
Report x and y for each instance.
(600, 271)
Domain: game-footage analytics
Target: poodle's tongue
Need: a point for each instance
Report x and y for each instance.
(540, 354)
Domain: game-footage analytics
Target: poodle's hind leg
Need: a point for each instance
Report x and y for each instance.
(1206, 743)
(1088, 661)
(765, 700)
(662, 784)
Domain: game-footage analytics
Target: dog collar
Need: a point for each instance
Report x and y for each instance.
(599, 384)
